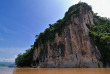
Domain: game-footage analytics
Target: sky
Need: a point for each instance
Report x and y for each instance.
(21, 20)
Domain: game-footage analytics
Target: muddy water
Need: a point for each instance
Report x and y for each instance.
(6, 70)
(62, 71)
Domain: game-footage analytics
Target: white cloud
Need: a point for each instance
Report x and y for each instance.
(7, 59)
(99, 6)
(12, 50)
(9, 54)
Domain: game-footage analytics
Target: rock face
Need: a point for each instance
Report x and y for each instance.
(74, 48)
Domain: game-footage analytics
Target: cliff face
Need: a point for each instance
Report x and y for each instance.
(74, 48)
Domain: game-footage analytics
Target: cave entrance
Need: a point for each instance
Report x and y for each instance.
(37, 61)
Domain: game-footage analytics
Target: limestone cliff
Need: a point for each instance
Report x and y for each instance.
(73, 48)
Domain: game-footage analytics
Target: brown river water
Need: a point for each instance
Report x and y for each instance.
(6, 70)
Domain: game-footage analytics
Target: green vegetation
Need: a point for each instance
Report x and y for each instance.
(49, 33)
(100, 33)
(24, 59)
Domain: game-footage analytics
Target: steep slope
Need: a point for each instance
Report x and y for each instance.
(80, 39)
(100, 33)
(67, 43)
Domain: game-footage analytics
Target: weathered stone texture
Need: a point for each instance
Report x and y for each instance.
(74, 48)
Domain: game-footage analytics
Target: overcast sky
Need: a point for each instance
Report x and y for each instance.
(21, 20)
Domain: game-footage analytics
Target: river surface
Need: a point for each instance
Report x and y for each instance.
(6, 70)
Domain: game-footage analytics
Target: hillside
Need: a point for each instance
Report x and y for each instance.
(7, 64)
(80, 39)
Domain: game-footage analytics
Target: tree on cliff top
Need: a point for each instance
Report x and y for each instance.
(25, 59)
(99, 32)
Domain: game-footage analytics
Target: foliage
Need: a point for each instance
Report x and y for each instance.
(75, 10)
(100, 33)
(24, 59)
(49, 33)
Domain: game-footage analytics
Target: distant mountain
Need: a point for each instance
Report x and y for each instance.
(7, 63)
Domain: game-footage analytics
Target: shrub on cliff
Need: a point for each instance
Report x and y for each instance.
(49, 33)
(24, 59)
(100, 33)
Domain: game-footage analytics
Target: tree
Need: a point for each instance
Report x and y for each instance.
(24, 59)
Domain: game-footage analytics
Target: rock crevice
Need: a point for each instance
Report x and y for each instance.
(74, 48)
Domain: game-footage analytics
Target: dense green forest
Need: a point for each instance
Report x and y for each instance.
(99, 32)
(24, 59)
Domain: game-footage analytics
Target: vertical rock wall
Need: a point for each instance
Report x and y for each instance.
(74, 48)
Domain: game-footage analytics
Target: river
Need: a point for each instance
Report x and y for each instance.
(6, 70)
